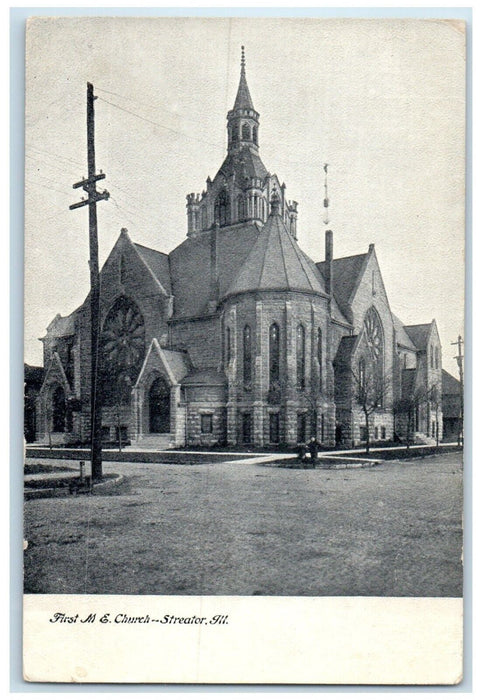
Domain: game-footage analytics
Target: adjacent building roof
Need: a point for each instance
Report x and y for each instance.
(450, 385)
(276, 262)
(419, 334)
(33, 376)
(346, 272)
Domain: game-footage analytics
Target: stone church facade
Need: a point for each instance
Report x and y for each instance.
(237, 336)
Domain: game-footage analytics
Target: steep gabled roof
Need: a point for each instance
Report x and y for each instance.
(419, 334)
(190, 265)
(346, 272)
(402, 336)
(276, 262)
(158, 263)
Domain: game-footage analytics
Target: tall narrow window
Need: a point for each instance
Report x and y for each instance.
(361, 376)
(319, 357)
(228, 345)
(247, 356)
(122, 270)
(246, 132)
(255, 134)
(274, 428)
(436, 358)
(241, 208)
(274, 356)
(300, 357)
(221, 208)
(431, 357)
(301, 427)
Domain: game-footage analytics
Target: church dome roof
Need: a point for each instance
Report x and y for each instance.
(276, 263)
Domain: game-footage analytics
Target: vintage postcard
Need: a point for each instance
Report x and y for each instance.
(244, 341)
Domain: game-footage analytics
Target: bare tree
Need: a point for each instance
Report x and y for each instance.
(406, 407)
(371, 389)
(435, 401)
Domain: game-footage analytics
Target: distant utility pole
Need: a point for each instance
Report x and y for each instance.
(89, 185)
(459, 357)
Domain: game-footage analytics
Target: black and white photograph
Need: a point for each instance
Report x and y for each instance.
(244, 314)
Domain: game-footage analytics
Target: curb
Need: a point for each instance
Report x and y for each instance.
(64, 491)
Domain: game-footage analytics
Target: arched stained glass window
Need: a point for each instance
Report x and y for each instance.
(300, 357)
(274, 356)
(247, 356)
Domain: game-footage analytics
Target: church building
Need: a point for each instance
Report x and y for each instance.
(237, 337)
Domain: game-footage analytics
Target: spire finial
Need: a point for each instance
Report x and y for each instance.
(326, 201)
(243, 60)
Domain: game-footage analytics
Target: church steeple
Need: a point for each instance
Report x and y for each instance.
(243, 119)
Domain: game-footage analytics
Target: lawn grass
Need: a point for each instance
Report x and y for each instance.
(217, 529)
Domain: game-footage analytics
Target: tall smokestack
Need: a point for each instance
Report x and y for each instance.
(329, 261)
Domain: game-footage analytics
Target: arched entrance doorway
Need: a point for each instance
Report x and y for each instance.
(159, 406)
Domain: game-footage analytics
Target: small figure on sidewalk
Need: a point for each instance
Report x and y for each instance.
(313, 447)
(301, 451)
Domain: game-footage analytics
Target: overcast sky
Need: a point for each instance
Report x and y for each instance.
(382, 101)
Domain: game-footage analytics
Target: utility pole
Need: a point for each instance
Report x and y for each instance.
(459, 357)
(89, 186)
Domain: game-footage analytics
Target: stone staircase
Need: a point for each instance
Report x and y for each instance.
(151, 442)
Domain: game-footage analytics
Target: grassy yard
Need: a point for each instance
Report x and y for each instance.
(242, 529)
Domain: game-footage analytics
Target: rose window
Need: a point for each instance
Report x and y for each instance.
(123, 350)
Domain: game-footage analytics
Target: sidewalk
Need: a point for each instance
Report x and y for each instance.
(357, 454)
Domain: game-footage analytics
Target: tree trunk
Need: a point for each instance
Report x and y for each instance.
(408, 429)
(367, 427)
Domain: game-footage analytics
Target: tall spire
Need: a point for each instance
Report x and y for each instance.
(243, 119)
(243, 98)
